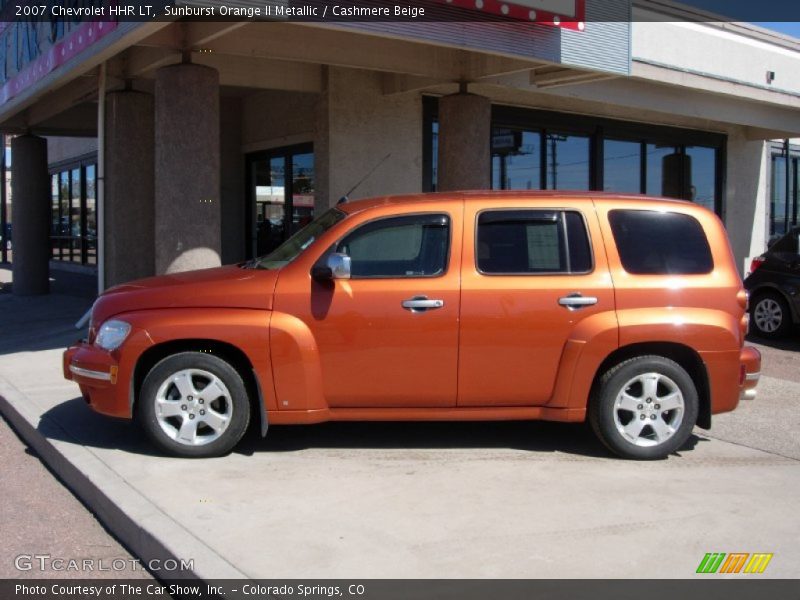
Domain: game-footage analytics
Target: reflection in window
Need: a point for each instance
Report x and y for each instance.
(516, 159)
(73, 215)
(302, 190)
(282, 185)
(784, 207)
(413, 246)
(567, 162)
(622, 166)
(532, 241)
(701, 175)
(656, 155)
(90, 238)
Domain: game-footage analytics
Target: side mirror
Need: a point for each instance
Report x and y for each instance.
(337, 266)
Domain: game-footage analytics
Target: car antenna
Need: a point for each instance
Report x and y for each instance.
(346, 197)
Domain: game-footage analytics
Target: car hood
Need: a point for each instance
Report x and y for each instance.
(222, 287)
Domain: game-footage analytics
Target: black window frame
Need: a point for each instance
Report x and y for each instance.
(561, 211)
(378, 220)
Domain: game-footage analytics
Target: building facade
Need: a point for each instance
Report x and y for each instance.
(166, 146)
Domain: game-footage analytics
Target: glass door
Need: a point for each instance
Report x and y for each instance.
(281, 191)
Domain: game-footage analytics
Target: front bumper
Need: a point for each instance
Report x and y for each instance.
(750, 360)
(98, 374)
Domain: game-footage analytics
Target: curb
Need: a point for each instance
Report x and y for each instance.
(137, 523)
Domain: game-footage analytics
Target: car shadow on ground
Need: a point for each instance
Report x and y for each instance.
(790, 342)
(74, 422)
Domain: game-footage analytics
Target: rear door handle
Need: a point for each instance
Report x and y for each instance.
(421, 304)
(576, 301)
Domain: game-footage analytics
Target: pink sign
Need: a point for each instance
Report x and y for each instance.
(58, 54)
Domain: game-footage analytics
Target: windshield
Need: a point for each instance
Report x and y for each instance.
(294, 246)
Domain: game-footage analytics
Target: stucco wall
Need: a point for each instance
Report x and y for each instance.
(364, 125)
(271, 119)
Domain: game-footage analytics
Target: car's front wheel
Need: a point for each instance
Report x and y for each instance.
(194, 404)
(769, 315)
(644, 408)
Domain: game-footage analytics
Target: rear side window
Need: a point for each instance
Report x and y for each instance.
(660, 243)
(532, 241)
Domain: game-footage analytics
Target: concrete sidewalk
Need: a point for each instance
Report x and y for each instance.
(430, 500)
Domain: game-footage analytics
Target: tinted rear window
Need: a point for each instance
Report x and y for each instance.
(660, 243)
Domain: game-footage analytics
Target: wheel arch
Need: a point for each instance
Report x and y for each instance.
(685, 356)
(228, 352)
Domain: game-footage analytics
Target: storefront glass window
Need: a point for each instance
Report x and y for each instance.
(73, 221)
(784, 208)
(302, 190)
(63, 220)
(567, 165)
(658, 180)
(282, 191)
(55, 219)
(622, 166)
(702, 170)
(533, 149)
(90, 239)
(75, 215)
(516, 159)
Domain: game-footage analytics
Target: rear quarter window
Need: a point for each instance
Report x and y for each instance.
(653, 242)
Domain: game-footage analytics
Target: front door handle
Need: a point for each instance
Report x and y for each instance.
(421, 304)
(576, 301)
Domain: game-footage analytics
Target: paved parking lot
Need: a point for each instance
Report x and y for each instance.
(422, 499)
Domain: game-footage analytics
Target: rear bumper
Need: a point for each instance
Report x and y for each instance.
(750, 361)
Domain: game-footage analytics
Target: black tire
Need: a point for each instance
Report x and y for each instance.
(654, 441)
(769, 315)
(219, 417)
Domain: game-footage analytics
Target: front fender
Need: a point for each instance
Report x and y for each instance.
(247, 330)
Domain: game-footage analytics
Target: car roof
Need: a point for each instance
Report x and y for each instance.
(355, 206)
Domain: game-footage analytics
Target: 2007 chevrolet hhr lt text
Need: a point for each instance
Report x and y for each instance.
(626, 311)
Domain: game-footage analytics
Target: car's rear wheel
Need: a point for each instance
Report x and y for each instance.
(644, 408)
(194, 405)
(770, 316)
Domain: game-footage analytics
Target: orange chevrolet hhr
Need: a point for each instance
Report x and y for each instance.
(626, 311)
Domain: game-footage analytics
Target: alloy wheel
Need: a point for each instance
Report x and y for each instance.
(649, 409)
(193, 407)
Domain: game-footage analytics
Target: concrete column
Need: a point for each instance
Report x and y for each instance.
(30, 211)
(746, 197)
(187, 168)
(129, 187)
(464, 162)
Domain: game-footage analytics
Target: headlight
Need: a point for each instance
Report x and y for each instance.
(112, 334)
